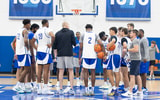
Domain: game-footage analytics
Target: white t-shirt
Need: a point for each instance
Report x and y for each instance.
(43, 37)
(118, 49)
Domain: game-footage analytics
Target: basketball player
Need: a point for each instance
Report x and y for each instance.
(22, 52)
(76, 57)
(125, 41)
(13, 45)
(152, 49)
(104, 39)
(114, 61)
(144, 66)
(45, 39)
(87, 42)
(135, 57)
(119, 35)
(130, 26)
(32, 75)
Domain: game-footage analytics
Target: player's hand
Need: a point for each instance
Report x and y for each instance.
(74, 54)
(15, 56)
(54, 60)
(80, 61)
(49, 45)
(104, 58)
(124, 50)
(145, 60)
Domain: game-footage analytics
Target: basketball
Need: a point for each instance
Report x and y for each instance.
(112, 47)
(97, 48)
(155, 68)
(100, 55)
(156, 61)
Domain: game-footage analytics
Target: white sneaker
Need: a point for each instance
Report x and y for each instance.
(15, 88)
(105, 86)
(57, 84)
(127, 94)
(121, 83)
(153, 77)
(89, 84)
(149, 77)
(138, 93)
(49, 84)
(68, 84)
(78, 83)
(28, 87)
(21, 90)
(39, 91)
(66, 89)
(47, 91)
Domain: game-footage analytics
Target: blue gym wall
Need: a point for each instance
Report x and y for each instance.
(6, 54)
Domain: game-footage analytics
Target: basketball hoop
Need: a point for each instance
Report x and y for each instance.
(76, 11)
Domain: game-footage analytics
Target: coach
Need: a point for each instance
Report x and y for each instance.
(64, 40)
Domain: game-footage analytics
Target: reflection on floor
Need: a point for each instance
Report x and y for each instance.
(6, 92)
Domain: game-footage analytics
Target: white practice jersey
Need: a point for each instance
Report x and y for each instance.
(43, 37)
(20, 45)
(89, 40)
(128, 41)
(118, 49)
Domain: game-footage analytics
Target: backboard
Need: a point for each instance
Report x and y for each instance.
(86, 7)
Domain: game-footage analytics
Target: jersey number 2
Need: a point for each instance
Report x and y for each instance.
(89, 40)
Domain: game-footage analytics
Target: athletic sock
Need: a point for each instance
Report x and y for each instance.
(86, 89)
(113, 87)
(92, 88)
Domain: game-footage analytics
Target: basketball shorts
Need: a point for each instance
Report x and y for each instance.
(24, 60)
(152, 62)
(76, 62)
(64, 62)
(89, 63)
(135, 67)
(144, 67)
(123, 63)
(44, 58)
(51, 66)
(114, 62)
(15, 63)
(105, 63)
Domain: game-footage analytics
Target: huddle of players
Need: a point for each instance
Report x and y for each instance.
(132, 54)
(26, 38)
(127, 52)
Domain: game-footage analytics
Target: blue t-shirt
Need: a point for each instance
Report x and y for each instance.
(76, 48)
(30, 35)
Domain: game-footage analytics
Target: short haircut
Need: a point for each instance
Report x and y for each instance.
(33, 26)
(44, 21)
(153, 42)
(89, 26)
(131, 24)
(135, 31)
(141, 30)
(101, 34)
(120, 28)
(113, 29)
(125, 30)
(26, 21)
(78, 32)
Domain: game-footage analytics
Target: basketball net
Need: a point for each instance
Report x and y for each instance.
(76, 11)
